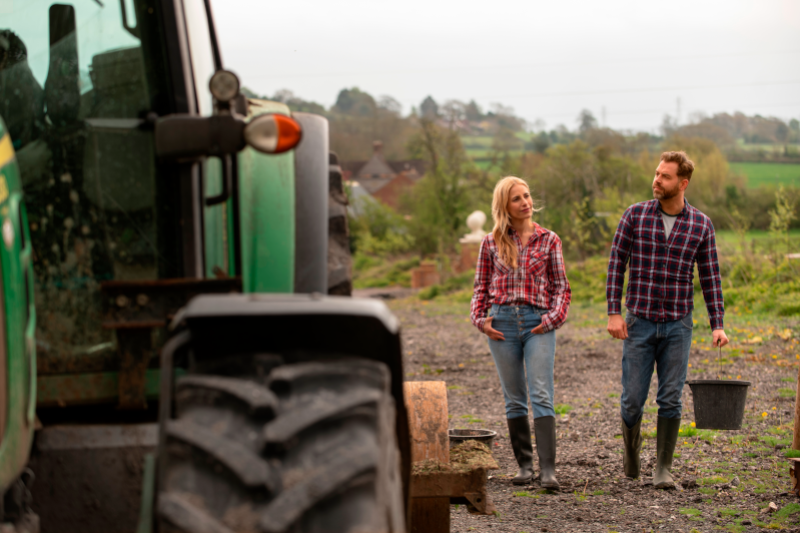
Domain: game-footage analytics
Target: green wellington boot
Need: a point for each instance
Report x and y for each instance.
(545, 429)
(666, 437)
(632, 438)
(519, 431)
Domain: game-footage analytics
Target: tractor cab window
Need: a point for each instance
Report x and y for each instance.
(76, 81)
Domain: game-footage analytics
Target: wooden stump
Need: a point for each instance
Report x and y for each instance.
(426, 402)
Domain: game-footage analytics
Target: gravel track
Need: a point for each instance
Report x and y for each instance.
(730, 476)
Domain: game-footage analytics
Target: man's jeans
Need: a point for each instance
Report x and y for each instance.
(664, 345)
(523, 354)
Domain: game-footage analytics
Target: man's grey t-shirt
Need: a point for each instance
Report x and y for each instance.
(669, 222)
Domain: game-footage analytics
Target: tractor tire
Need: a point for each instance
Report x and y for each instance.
(340, 270)
(309, 447)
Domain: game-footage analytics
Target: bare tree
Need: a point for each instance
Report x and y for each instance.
(390, 104)
(453, 111)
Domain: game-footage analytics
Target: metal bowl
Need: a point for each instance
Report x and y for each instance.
(486, 436)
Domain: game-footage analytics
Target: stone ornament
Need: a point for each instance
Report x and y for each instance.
(475, 222)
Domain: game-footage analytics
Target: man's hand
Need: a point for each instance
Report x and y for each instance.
(617, 327)
(492, 333)
(719, 339)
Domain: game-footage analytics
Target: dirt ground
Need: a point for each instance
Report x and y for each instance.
(727, 479)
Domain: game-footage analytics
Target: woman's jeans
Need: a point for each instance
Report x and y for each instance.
(660, 345)
(523, 355)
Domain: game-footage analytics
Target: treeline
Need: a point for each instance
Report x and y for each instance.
(724, 129)
(584, 185)
(358, 118)
(742, 137)
(585, 177)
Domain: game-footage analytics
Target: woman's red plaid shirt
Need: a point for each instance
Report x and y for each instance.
(539, 279)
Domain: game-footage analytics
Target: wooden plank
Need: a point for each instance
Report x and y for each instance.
(794, 474)
(430, 515)
(426, 403)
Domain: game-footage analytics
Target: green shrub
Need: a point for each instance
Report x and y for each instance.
(429, 293)
(373, 272)
(713, 480)
(461, 283)
(562, 408)
(788, 510)
(774, 441)
(588, 280)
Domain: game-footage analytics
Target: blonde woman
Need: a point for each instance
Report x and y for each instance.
(521, 297)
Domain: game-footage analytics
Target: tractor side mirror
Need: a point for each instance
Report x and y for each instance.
(188, 137)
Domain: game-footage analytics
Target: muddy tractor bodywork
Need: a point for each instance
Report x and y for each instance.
(17, 324)
(144, 193)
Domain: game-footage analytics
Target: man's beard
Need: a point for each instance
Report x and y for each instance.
(665, 194)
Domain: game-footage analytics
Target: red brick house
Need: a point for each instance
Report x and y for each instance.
(383, 180)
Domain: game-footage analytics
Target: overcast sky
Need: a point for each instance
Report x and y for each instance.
(547, 60)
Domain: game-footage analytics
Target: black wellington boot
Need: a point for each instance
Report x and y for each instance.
(632, 438)
(519, 431)
(666, 437)
(545, 429)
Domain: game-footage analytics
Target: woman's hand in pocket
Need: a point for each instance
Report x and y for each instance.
(538, 330)
(491, 332)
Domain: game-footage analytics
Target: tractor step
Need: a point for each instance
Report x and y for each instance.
(89, 477)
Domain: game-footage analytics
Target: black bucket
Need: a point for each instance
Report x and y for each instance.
(486, 436)
(718, 403)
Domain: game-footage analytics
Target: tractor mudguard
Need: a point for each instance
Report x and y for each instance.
(298, 328)
(311, 205)
(267, 217)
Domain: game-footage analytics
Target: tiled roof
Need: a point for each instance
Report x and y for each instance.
(410, 167)
(373, 185)
(376, 167)
(352, 166)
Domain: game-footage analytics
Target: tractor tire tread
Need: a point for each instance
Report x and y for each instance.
(284, 510)
(188, 517)
(249, 468)
(308, 447)
(314, 411)
(260, 400)
(296, 377)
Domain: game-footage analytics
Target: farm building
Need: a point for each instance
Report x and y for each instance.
(382, 180)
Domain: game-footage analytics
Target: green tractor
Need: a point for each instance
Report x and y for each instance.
(178, 349)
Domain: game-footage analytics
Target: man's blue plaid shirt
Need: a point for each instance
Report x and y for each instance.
(660, 285)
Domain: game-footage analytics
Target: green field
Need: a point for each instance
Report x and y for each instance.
(727, 236)
(758, 241)
(767, 148)
(479, 148)
(760, 174)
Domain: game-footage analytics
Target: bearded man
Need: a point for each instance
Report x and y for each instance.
(661, 239)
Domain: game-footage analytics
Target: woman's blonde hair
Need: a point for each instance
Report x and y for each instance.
(502, 220)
